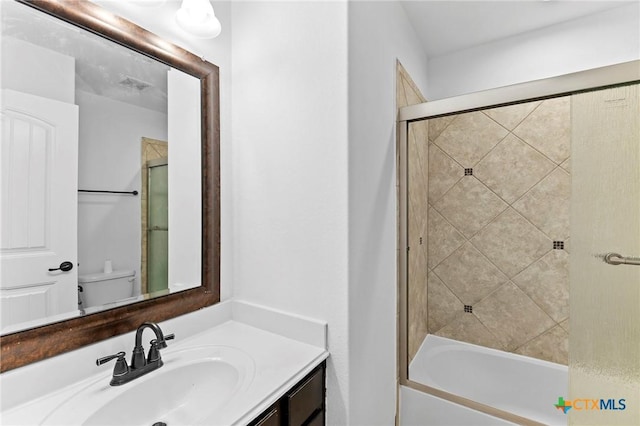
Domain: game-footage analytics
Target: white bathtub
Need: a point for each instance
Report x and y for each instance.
(521, 385)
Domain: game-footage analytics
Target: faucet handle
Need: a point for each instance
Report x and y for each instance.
(156, 345)
(121, 368)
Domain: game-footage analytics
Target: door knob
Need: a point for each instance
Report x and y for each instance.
(64, 267)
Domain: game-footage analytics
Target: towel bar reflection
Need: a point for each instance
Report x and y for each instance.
(108, 192)
(618, 259)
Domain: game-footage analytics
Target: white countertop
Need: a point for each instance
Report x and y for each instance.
(280, 361)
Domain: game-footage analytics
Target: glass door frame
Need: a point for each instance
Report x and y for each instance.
(564, 85)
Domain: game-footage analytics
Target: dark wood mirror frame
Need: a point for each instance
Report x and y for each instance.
(25, 347)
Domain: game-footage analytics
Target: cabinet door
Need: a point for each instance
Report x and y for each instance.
(272, 417)
(306, 400)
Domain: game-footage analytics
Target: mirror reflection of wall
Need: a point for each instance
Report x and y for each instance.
(78, 114)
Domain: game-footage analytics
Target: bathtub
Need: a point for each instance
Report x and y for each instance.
(521, 385)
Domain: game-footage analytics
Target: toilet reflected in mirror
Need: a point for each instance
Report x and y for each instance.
(96, 290)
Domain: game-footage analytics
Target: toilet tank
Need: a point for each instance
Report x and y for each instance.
(102, 288)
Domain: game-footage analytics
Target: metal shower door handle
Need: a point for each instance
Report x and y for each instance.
(618, 259)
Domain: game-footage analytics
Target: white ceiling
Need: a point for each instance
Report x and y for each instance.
(449, 26)
(102, 67)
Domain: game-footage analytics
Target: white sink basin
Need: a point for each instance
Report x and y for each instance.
(191, 386)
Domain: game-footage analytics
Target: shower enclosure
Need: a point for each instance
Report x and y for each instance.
(509, 201)
(157, 226)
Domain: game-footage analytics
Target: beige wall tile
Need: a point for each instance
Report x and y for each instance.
(547, 205)
(467, 328)
(512, 243)
(470, 137)
(437, 126)
(565, 325)
(412, 93)
(470, 206)
(470, 275)
(416, 336)
(418, 184)
(444, 172)
(443, 305)
(512, 168)
(567, 165)
(420, 130)
(512, 115)
(547, 283)
(511, 316)
(443, 239)
(418, 289)
(551, 346)
(401, 98)
(547, 129)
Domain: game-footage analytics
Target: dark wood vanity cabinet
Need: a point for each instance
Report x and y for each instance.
(303, 405)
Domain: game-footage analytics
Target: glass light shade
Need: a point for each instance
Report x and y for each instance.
(198, 19)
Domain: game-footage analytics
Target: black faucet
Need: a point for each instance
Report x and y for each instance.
(123, 373)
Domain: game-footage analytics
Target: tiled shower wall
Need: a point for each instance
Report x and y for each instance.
(491, 190)
(498, 228)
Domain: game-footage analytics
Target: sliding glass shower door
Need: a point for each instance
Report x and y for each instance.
(605, 297)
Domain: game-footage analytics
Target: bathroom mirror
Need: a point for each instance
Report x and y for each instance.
(127, 172)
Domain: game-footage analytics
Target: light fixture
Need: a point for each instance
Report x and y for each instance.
(198, 19)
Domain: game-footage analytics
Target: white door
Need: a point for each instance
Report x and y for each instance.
(38, 210)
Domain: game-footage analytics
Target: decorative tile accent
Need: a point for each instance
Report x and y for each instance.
(437, 126)
(468, 329)
(468, 172)
(443, 305)
(470, 137)
(548, 130)
(511, 316)
(443, 239)
(512, 168)
(546, 282)
(558, 245)
(443, 172)
(468, 309)
(551, 346)
(469, 206)
(473, 282)
(511, 242)
(510, 116)
(548, 203)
